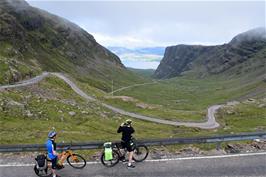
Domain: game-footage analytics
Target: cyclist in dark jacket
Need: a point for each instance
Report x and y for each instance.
(127, 129)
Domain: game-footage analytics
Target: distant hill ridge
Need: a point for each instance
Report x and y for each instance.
(208, 60)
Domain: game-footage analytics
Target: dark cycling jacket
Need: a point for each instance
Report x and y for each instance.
(126, 132)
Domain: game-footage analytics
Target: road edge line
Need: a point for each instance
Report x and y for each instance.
(158, 160)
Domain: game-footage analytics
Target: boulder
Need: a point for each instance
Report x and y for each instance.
(28, 113)
(262, 106)
(230, 148)
(12, 106)
(72, 113)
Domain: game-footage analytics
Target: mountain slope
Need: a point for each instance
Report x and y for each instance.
(248, 47)
(33, 40)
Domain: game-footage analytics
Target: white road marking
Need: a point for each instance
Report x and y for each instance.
(208, 157)
(158, 160)
(32, 164)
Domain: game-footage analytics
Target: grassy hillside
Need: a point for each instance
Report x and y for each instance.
(185, 98)
(248, 115)
(32, 111)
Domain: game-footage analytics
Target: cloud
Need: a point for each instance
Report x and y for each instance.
(141, 64)
(158, 23)
(140, 57)
(128, 41)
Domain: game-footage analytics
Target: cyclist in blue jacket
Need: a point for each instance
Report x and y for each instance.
(51, 148)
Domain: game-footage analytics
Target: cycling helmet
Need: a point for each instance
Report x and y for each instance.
(128, 121)
(51, 134)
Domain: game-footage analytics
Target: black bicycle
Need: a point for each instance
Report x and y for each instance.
(118, 153)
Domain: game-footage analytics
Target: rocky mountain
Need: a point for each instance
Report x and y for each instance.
(243, 51)
(33, 40)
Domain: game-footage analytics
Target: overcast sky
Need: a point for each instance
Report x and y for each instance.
(159, 23)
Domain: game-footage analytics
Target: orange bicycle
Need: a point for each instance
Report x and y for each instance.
(43, 167)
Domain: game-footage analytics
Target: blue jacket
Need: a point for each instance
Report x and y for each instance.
(50, 145)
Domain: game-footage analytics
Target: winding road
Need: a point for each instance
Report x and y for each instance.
(209, 124)
(131, 86)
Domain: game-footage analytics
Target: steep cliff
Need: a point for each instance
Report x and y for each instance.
(207, 60)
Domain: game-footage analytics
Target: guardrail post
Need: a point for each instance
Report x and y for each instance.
(218, 146)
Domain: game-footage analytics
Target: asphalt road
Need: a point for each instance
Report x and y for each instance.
(253, 165)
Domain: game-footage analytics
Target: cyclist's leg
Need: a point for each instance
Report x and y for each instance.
(54, 164)
(130, 154)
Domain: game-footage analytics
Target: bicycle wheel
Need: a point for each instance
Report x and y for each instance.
(110, 163)
(76, 161)
(140, 153)
(43, 173)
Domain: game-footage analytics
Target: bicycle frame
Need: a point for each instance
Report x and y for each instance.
(117, 148)
(66, 154)
(63, 156)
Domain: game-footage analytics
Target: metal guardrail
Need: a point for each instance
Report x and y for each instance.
(155, 142)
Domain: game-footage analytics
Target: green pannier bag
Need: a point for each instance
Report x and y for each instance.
(108, 151)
